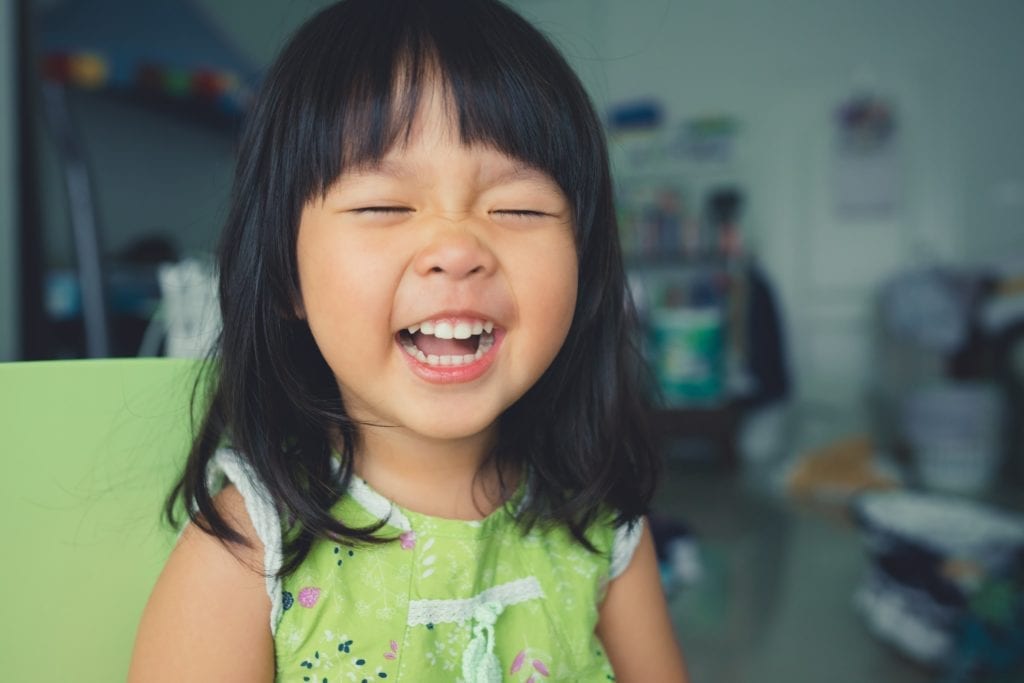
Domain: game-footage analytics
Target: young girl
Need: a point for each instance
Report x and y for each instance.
(424, 456)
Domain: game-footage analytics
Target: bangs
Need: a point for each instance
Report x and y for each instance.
(358, 77)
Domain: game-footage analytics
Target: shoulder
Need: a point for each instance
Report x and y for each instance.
(210, 601)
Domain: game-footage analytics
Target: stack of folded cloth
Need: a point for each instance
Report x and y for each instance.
(946, 583)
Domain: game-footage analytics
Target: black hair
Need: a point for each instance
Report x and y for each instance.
(343, 91)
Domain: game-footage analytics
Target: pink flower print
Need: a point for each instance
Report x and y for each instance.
(408, 540)
(308, 596)
(541, 668)
(394, 651)
(517, 663)
(531, 679)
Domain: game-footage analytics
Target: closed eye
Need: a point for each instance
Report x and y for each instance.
(522, 213)
(370, 210)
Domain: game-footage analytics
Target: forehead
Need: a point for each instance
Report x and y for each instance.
(433, 130)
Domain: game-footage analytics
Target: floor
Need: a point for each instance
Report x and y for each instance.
(775, 603)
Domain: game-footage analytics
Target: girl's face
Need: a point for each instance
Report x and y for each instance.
(438, 284)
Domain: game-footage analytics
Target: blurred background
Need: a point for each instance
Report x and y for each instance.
(822, 213)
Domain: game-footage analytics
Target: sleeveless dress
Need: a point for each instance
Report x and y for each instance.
(447, 601)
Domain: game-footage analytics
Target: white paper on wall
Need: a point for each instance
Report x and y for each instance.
(866, 165)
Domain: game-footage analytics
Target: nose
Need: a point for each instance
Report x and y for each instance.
(457, 252)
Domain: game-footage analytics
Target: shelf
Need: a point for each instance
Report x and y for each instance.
(718, 425)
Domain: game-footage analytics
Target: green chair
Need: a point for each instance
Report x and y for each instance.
(89, 450)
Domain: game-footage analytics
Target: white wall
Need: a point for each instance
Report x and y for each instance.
(8, 244)
(951, 68)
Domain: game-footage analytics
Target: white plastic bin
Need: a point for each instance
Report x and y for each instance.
(954, 432)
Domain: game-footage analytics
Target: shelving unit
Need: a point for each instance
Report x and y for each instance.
(678, 199)
(163, 56)
(692, 313)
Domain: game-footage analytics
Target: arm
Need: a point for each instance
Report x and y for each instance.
(208, 618)
(634, 624)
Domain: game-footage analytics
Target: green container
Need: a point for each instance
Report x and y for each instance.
(687, 346)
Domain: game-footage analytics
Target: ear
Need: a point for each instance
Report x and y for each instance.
(298, 308)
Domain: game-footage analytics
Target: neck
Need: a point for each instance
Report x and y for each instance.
(448, 478)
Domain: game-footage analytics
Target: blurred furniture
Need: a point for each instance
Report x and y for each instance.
(716, 361)
(952, 329)
(969, 624)
(90, 451)
(715, 339)
(1011, 370)
(717, 425)
(161, 54)
(1002, 318)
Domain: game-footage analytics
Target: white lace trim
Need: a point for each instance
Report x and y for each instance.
(423, 612)
(627, 537)
(377, 505)
(227, 464)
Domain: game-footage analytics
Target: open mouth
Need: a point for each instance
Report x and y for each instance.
(448, 342)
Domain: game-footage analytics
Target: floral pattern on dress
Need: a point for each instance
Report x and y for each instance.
(309, 596)
(356, 629)
(528, 667)
(347, 664)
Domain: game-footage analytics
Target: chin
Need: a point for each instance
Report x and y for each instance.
(451, 427)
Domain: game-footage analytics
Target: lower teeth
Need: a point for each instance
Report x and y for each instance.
(486, 342)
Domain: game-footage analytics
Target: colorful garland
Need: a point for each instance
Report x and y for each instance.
(91, 71)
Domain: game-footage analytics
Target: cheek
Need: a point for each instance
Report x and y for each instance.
(340, 279)
(560, 299)
(555, 284)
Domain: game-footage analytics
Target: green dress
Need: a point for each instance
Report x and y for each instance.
(448, 600)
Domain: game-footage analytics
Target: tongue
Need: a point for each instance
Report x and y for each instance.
(431, 345)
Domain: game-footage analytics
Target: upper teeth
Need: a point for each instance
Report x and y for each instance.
(447, 329)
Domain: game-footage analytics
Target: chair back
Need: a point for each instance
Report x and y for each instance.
(88, 452)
